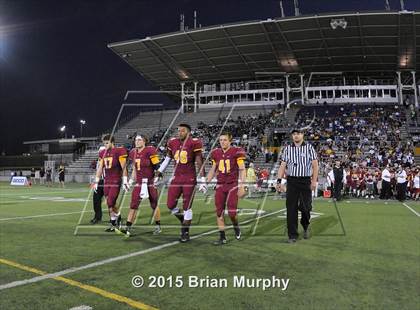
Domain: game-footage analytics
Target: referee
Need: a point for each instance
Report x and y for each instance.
(98, 195)
(299, 162)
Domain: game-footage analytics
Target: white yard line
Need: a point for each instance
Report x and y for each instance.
(41, 215)
(48, 192)
(83, 211)
(411, 209)
(116, 258)
(18, 201)
(45, 199)
(44, 215)
(148, 227)
(82, 307)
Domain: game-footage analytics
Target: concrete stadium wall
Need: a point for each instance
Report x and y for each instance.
(61, 158)
(78, 178)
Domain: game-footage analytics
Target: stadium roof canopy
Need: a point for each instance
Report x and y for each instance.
(369, 42)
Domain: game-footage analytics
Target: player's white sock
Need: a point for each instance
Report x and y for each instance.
(114, 216)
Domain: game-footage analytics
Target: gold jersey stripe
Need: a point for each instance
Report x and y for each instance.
(154, 159)
(240, 161)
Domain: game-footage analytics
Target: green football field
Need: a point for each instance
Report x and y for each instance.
(48, 261)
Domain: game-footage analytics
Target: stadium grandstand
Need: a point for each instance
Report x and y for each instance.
(332, 73)
(233, 101)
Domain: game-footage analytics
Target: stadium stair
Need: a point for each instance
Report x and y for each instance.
(80, 170)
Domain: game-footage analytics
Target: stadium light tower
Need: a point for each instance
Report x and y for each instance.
(281, 9)
(82, 122)
(63, 131)
(297, 11)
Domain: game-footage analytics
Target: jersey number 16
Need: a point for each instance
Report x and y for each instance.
(181, 157)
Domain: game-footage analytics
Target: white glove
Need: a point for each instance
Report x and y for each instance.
(203, 185)
(130, 183)
(126, 184)
(144, 192)
(95, 184)
(156, 181)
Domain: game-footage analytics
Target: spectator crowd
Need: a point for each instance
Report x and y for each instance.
(367, 139)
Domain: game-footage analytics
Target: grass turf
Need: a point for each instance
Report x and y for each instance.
(374, 266)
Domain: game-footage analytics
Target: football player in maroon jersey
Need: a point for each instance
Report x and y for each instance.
(229, 163)
(369, 180)
(112, 163)
(144, 160)
(187, 153)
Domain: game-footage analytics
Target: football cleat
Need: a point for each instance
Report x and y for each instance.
(157, 230)
(124, 232)
(184, 238)
(220, 241)
(119, 220)
(237, 233)
(110, 229)
(94, 221)
(119, 231)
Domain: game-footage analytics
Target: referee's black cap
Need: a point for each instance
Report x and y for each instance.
(296, 129)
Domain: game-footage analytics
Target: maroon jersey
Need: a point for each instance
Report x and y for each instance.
(184, 152)
(112, 159)
(410, 179)
(369, 178)
(361, 176)
(227, 164)
(143, 162)
(348, 177)
(355, 177)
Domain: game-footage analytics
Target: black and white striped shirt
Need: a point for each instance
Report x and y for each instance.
(299, 159)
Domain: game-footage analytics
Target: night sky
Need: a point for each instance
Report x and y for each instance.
(55, 67)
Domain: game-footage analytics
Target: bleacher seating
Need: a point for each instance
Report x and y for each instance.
(350, 131)
(154, 124)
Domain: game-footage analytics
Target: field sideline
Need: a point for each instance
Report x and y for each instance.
(375, 265)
